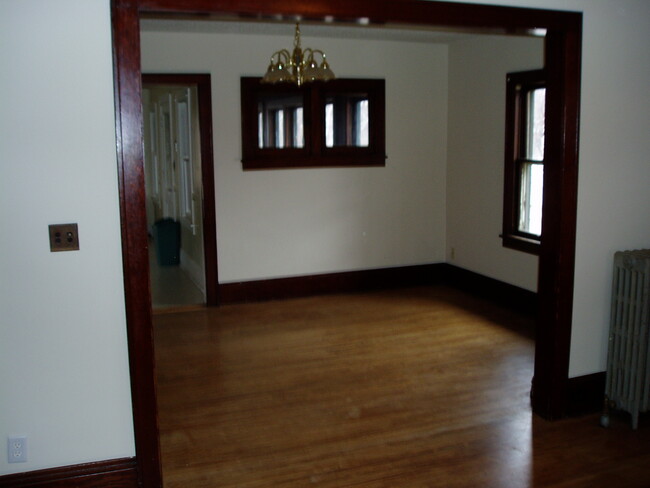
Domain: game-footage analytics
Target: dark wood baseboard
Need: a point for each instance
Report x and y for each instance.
(504, 294)
(585, 394)
(116, 473)
(377, 279)
(345, 282)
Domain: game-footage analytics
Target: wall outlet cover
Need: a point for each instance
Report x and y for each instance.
(17, 449)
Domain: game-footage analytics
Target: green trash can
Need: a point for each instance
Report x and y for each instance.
(167, 239)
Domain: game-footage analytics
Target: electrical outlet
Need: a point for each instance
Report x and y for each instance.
(17, 449)
(64, 237)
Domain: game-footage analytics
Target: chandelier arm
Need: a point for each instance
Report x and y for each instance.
(312, 52)
(283, 56)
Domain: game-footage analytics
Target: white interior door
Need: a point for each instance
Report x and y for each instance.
(184, 158)
(168, 167)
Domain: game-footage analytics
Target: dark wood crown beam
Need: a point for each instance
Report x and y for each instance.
(416, 12)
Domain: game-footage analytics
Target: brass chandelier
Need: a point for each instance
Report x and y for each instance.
(299, 66)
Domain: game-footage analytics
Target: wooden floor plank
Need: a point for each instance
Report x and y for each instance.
(424, 387)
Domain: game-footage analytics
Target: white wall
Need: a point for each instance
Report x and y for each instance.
(477, 74)
(613, 195)
(614, 171)
(299, 222)
(64, 379)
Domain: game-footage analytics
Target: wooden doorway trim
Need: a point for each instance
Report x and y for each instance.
(557, 256)
(204, 92)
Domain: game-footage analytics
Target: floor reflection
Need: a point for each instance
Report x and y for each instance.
(171, 287)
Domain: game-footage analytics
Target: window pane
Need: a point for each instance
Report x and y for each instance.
(530, 203)
(280, 121)
(362, 131)
(535, 139)
(329, 125)
(346, 120)
(279, 129)
(298, 128)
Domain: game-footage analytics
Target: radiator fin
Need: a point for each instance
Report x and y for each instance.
(628, 359)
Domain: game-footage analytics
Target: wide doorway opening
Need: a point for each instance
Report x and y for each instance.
(556, 258)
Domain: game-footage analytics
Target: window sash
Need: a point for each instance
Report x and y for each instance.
(531, 181)
(534, 142)
(524, 161)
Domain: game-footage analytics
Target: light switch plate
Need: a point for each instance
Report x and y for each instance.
(64, 237)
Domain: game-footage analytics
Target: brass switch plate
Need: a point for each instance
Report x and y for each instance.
(64, 237)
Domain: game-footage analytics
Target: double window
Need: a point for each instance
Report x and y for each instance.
(335, 123)
(524, 160)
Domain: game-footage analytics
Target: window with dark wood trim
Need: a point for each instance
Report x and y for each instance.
(320, 124)
(524, 160)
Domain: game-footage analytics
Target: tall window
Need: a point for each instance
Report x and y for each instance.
(524, 160)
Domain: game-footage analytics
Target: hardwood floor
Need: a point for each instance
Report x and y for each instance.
(171, 287)
(423, 387)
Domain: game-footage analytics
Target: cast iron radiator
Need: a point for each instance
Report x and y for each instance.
(627, 386)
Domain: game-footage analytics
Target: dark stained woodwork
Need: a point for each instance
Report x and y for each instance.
(347, 282)
(204, 91)
(128, 132)
(563, 64)
(585, 394)
(209, 196)
(116, 473)
(557, 250)
(425, 13)
(253, 157)
(518, 85)
(420, 387)
(315, 153)
(504, 294)
(375, 89)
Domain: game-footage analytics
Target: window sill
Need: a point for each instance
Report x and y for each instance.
(333, 161)
(520, 243)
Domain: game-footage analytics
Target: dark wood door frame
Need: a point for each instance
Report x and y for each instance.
(204, 94)
(556, 261)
